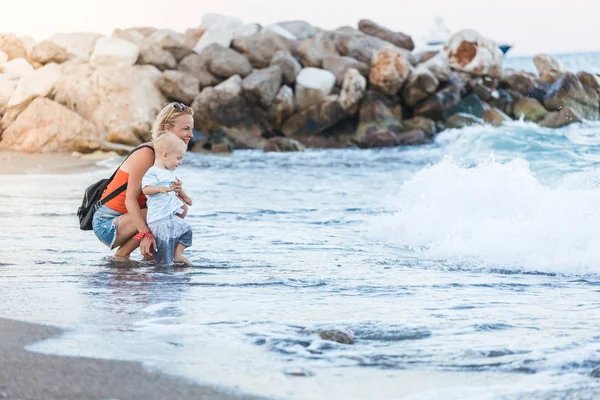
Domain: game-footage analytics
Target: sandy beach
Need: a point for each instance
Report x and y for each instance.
(33, 376)
(14, 162)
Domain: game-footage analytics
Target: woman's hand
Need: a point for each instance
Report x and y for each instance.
(146, 246)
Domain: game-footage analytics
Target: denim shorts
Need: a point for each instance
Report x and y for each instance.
(105, 224)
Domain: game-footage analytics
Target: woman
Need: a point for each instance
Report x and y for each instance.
(120, 219)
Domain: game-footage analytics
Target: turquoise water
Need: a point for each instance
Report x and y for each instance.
(468, 268)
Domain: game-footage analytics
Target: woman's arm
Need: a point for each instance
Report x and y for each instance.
(138, 164)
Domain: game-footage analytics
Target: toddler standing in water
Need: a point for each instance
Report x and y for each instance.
(166, 209)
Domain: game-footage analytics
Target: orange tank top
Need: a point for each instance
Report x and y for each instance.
(118, 203)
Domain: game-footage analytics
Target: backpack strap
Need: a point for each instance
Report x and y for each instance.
(123, 187)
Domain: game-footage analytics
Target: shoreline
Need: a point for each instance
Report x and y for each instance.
(29, 375)
(19, 163)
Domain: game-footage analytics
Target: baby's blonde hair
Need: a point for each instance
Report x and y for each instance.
(167, 142)
(166, 117)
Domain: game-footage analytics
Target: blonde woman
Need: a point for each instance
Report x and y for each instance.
(121, 221)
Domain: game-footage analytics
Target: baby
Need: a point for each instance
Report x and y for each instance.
(166, 209)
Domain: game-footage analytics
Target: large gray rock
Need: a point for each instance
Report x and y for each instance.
(421, 83)
(315, 118)
(282, 107)
(300, 29)
(110, 51)
(179, 86)
(378, 126)
(224, 106)
(338, 65)
(152, 54)
(195, 65)
(353, 91)
(568, 91)
(282, 144)
(434, 106)
(460, 120)
(311, 52)
(359, 46)
(389, 70)
(558, 119)
(12, 46)
(261, 86)
(214, 35)
(312, 86)
(261, 47)
(225, 62)
(290, 67)
(46, 52)
(470, 52)
(397, 38)
(422, 124)
(47, 127)
(549, 69)
(590, 80)
(529, 109)
(495, 117)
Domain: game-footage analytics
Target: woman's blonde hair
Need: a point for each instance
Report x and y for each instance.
(166, 117)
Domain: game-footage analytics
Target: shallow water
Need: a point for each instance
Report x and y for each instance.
(469, 268)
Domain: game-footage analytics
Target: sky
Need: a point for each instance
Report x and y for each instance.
(531, 26)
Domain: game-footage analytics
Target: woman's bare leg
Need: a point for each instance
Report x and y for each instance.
(125, 231)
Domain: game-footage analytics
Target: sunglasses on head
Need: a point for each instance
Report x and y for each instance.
(179, 107)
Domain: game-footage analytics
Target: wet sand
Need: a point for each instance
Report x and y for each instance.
(14, 162)
(34, 376)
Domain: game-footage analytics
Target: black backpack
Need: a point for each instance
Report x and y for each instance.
(91, 197)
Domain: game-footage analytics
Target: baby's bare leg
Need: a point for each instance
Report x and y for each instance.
(179, 257)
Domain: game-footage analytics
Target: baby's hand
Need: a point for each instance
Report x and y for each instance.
(176, 186)
(166, 189)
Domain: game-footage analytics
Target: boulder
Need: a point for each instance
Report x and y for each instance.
(353, 91)
(115, 52)
(461, 120)
(529, 109)
(46, 127)
(397, 38)
(12, 46)
(48, 52)
(191, 37)
(314, 119)
(122, 102)
(179, 86)
(165, 38)
(311, 52)
(283, 106)
(470, 104)
(470, 52)
(434, 107)
(549, 69)
(389, 70)
(215, 34)
(558, 119)
(223, 106)
(210, 20)
(78, 44)
(261, 86)
(28, 43)
(524, 83)
(592, 81)
(376, 115)
(17, 68)
(422, 124)
(152, 54)
(495, 117)
(300, 29)
(290, 67)
(282, 144)
(225, 62)
(568, 91)
(362, 47)
(261, 47)
(37, 84)
(312, 86)
(502, 100)
(338, 65)
(279, 30)
(439, 67)
(420, 85)
(195, 65)
(7, 88)
(216, 142)
(246, 30)
(426, 55)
